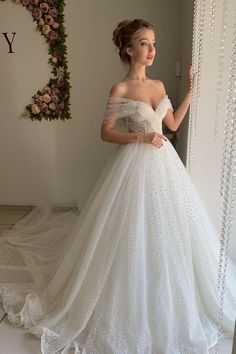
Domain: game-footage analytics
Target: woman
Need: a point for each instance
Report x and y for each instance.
(136, 43)
(137, 273)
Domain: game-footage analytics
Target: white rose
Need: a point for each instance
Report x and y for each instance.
(60, 72)
(52, 106)
(46, 29)
(54, 59)
(35, 109)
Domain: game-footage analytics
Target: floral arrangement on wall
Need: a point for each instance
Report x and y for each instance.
(51, 102)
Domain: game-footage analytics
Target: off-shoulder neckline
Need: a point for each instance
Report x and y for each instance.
(138, 101)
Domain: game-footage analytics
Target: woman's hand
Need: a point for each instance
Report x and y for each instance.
(153, 138)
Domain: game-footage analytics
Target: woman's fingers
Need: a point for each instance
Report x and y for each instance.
(163, 137)
(158, 139)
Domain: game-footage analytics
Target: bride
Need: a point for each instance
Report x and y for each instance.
(136, 271)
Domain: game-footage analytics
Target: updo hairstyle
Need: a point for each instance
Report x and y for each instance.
(125, 30)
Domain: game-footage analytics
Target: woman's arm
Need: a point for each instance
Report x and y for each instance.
(113, 135)
(173, 119)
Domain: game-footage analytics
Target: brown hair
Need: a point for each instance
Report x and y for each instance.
(124, 32)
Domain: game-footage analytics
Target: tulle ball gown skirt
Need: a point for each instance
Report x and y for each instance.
(134, 273)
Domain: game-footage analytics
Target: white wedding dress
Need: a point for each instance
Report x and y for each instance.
(135, 272)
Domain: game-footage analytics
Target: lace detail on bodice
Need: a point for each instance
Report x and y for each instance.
(138, 116)
(134, 125)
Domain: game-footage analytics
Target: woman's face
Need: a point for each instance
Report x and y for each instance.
(142, 49)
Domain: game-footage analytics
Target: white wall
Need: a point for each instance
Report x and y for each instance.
(60, 161)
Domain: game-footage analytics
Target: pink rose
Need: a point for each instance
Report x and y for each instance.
(60, 83)
(46, 29)
(54, 98)
(30, 7)
(53, 12)
(41, 21)
(37, 99)
(34, 2)
(55, 91)
(44, 7)
(57, 55)
(60, 105)
(55, 25)
(48, 20)
(52, 35)
(37, 13)
(43, 106)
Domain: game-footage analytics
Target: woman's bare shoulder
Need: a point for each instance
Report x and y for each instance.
(118, 89)
(159, 87)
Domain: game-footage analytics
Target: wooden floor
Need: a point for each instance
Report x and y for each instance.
(9, 215)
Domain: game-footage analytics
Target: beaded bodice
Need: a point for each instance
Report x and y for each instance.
(138, 116)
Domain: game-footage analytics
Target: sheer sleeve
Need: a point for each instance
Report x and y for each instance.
(164, 105)
(118, 108)
(169, 105)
